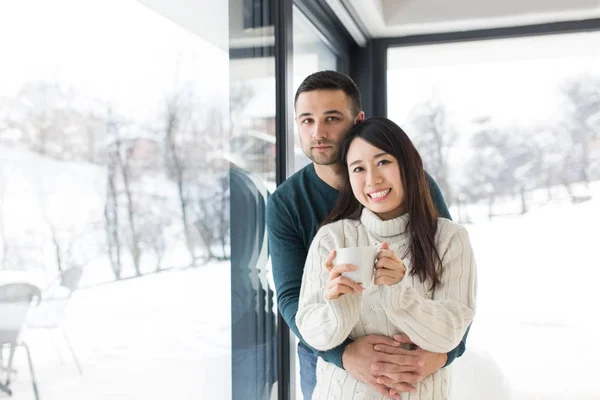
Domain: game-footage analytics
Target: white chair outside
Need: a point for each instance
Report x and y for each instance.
(50, 313)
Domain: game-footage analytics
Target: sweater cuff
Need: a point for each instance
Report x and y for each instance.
(334, 355)
(393, 296)
(450, 357)
(345, 307)
(459, 350)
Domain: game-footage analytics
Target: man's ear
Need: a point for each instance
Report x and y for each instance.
(359, 118)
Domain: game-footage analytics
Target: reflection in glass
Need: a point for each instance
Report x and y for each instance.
(252, 178)
(515, 148)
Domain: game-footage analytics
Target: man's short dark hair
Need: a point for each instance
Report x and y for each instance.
(332, 80)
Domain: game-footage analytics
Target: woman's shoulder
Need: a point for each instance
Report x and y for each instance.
(447, 228)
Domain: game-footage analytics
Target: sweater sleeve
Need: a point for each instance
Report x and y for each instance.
(287, 259)
(288, 256)
(439, 324)
(324, 324)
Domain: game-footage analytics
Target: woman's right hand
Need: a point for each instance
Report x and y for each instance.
(338, 284)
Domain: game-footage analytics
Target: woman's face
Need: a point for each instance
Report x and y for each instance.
(375, 179)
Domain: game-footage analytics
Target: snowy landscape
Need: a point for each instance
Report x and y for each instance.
(167, 334)
(94, 175)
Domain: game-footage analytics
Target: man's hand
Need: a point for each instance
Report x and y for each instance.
(393, 376)
(363, 362)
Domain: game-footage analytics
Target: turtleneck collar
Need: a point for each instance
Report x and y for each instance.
(391, 227)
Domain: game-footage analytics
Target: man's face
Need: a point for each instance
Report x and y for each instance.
(324, 117)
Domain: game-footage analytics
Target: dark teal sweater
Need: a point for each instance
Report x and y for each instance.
(294, 213)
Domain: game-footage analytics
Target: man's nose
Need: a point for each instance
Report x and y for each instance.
(319, 131)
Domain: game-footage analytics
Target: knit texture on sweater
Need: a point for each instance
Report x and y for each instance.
(435, 321)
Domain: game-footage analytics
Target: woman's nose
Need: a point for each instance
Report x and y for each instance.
(373, 178)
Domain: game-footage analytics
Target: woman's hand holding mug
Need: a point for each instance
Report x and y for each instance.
(389, 268)
(338, 284)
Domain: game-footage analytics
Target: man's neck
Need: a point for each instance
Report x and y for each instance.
(330, 174)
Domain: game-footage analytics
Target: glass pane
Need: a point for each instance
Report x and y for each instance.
(311, 54)
(252, 151)
(509, 129)
(131, 242)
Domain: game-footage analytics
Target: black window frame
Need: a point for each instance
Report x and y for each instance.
(377, 72)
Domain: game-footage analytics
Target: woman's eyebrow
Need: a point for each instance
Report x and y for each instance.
(375, 156)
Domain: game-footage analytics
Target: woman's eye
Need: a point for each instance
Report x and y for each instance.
(383, 162)
(357, 169)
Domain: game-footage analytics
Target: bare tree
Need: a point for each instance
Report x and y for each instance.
(211, 213)
(223, 216)
(156, 240)
(65, 236)
(111, 217)
(55, 121)
(177, 114)
(153, 225)
(553, 149)
(240, 95)
(434, 137)
(194, 140)
(505, 162)
(3, 238)
(120, 154)
(582, 95)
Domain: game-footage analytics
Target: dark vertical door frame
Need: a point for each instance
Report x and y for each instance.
(283, 11)
(368, 68)
(331, 31)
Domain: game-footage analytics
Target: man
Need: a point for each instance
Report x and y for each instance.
(327, 106)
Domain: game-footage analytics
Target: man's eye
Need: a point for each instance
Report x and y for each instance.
(333, 119)
(307, 121)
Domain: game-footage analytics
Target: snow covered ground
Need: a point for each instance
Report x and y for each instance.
(157, 337)
(536, 300)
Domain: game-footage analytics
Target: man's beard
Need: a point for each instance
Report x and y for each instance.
(319, 158)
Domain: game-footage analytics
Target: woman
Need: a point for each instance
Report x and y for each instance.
(424, 281)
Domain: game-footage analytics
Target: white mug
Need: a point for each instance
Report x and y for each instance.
(361, 257)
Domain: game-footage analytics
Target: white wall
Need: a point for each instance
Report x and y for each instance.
(191, 14)
(404, 17)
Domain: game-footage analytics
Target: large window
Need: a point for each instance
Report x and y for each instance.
(311, 54)
(126, 268)
(510, 130)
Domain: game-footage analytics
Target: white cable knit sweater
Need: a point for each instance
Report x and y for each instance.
(435, 321)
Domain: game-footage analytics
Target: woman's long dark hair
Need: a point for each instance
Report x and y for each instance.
(389, 137)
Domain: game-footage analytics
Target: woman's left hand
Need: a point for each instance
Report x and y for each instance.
(389, 268)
